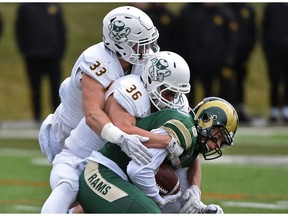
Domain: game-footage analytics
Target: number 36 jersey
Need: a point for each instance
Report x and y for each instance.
(130, 93)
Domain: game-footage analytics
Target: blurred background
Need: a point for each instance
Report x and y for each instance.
(84, 28)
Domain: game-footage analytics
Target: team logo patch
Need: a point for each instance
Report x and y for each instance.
(194, 131)
(159, 69)
(118, 31)
(100, 185)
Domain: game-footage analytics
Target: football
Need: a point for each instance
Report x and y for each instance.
(167, 180)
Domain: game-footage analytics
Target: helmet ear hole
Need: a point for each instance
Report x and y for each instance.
(205, 117)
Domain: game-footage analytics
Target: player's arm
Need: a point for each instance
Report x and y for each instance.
(143, 176)
(99, 122)
(126, 122)
(192, 195)
(93, 104)
(194, 173)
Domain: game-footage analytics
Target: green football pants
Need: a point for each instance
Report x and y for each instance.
(103, 191)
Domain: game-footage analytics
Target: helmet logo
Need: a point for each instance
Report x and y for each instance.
(206, 120)
(158, 70)
(118, 31)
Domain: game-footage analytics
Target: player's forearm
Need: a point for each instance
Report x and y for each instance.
(97, 120)
(155, 140)
(143, 176)
(146, 182)
(93, 107)
(194, 174)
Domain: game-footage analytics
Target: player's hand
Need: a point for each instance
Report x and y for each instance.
(168, 199)
(133, 147)
(192, 196)
(175, 148)
(211, 209)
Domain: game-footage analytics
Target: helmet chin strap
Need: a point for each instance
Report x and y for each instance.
(203, 147)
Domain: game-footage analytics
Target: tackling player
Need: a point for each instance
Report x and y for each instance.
(129, 39)
(165, 80)
(105, 185)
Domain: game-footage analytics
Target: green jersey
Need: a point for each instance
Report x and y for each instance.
(178, 124)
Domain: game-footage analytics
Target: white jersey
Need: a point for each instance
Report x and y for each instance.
(130, 93)
(99, 63)
(69, 163)
(186, 108)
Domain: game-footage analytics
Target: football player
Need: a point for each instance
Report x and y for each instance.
(129, 39)
(164, 81)
(105, 185)
(216, 121)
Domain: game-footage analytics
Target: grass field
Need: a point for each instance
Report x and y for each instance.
(252, 180)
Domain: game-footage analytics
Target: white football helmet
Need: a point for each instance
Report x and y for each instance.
(166, 71)
(130, 34)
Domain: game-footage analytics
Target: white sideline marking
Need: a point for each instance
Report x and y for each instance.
(25, 131)
(27, 208)
(19, 133)
(280, 205)
(262, 160)
(37, 160)
(41, 162)
(19, 152)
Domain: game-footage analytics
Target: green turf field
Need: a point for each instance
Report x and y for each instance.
(252, 180)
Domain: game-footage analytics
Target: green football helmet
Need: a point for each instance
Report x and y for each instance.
(214, 112)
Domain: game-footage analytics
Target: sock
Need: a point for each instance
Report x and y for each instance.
(60, 199)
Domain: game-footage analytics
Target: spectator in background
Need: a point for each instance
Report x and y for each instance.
(1, 25)
(41, 38)
(275, 45)
(165, 21)
(209, 41)
(245, 16)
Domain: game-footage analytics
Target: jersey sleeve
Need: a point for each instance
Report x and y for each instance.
(181, 130)
(143, 176)
(130, 93)
(98, 63)
(186, 108)
(186, 134)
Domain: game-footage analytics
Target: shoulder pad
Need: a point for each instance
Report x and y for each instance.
(130, 93)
